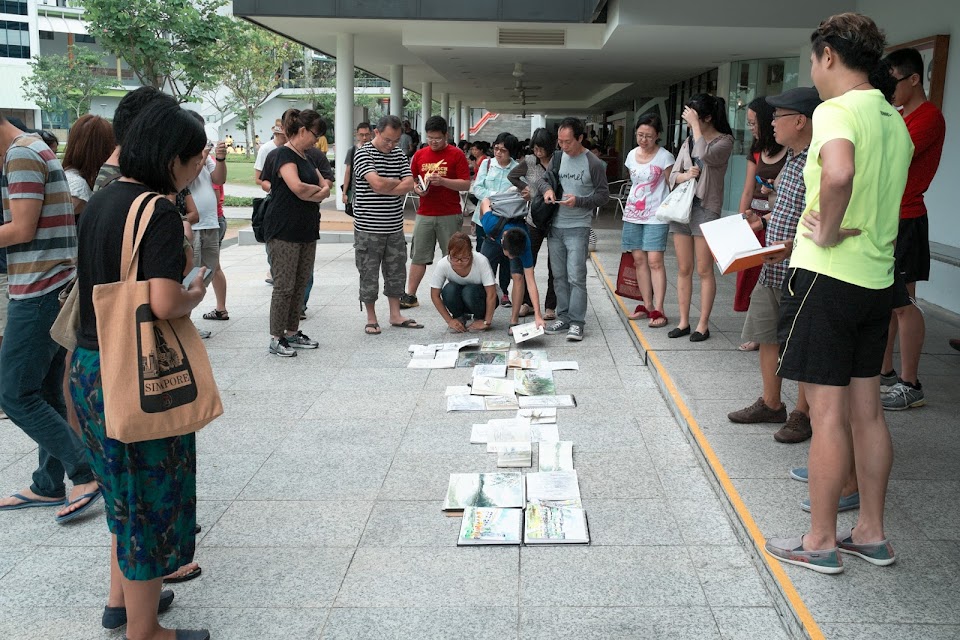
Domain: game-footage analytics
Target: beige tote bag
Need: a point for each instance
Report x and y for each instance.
(157, 379)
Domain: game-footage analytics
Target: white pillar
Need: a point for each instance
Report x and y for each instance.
(465, 117)
(457, 120)
(343, 120)
(426, 108)
(445, 107)
(396, 90)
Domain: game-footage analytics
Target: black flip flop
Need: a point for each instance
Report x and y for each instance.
(409, 323)
(185, 577)
(372, 325)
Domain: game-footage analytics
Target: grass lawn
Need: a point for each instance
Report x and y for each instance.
(240, 173)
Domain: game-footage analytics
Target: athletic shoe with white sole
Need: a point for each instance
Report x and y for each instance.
(902, 396)
(299, 340)
(280, 347)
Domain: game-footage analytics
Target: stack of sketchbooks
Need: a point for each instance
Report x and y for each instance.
(553, 514)
(438, 356)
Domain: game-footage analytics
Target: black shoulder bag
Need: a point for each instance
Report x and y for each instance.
(541, 212)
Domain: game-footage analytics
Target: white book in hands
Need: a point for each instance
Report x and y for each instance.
(422, 184)
(523, 332)
(734, 245)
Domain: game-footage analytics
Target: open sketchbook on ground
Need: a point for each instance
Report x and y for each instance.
(555, 525)
(734, 245)
(486, 525)
(503, 489)
(554, 488)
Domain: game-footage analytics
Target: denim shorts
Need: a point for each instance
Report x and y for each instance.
(645, 237)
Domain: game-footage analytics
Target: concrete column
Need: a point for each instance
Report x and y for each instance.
(465, 117)
(343, 120)
(803, 73)
(457, 120)
(426, 108)
(445, 107)
(396, 90)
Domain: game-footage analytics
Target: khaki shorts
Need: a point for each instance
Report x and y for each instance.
(4, 299)
(429, 231)
(206, 250)
(760, 324)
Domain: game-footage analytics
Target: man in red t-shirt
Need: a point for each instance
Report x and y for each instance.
(927, 130)
(445, 173)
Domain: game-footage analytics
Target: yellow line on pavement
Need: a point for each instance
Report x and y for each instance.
(789, 591)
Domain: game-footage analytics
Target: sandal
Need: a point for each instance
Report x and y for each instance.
(639, 312)
(372, 329)
(749, 346)
(176, 576)
(657, 319)
(409, 323)
(216, 314)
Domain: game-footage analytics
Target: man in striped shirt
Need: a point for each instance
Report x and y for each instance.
(381, 178)
(40, 236)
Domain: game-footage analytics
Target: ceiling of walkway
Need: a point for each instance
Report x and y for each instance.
(639, 51)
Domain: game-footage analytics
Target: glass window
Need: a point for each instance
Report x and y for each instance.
(46, 35)
(81, 37)
(14, 39)
(14, 7)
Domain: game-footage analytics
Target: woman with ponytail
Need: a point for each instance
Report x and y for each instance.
(704, 158)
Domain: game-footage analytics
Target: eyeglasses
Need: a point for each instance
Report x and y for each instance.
(499, 149)
(645, 136)
(315, 134)
(390, 143)
(777, 116)
(434, 140)
(463, 259)
(899, 80)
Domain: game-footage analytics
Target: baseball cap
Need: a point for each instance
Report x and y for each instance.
(801, 99)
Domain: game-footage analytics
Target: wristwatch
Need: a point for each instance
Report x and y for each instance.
(221, 159)
(486, 323)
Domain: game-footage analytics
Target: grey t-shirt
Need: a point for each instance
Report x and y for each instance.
(575, 180)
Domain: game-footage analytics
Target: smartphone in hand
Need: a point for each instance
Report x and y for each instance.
(191, 277)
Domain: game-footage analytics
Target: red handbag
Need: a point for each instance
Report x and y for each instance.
(627, 286)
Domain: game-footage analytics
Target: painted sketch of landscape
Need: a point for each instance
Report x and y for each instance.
(482, 525)
(555, 525)
(535, 382)
(500, 403)
(537, 402)
(556, 456)
(514, 454)
(495, 345)
(527, 359)
(490, 371)
(473, 358)
(554, 488)
(503, 489)
(465, 403)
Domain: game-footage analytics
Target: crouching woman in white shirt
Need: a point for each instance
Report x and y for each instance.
(463, 286)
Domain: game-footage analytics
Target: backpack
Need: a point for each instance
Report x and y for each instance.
(540, 212)
(506, 207)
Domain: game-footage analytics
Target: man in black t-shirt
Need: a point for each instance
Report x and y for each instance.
(364, 135)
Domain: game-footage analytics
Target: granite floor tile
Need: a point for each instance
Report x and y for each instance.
(607, 623)
(291, 524)
(410, 524)
(260, 577)
(430, 577)
(618, 522)
(750, 623)
(51, 577)
(330, 474)
(860, 631)
(222, 476)
(426, 476)
(27, 622)
(250, 623)
(622, 474)
(729, 577)
(609, 577)
(703, 522)
(418, 623)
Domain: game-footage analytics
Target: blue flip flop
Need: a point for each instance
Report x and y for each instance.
(93, 496)
(31, 502)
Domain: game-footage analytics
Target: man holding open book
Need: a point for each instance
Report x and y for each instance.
(793, 128)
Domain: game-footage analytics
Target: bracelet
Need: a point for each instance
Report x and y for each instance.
(221, 159)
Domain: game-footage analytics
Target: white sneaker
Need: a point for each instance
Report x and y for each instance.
(281, 347)
(575, 333)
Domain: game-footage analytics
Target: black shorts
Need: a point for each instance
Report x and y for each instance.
(912, 252)
(831, 331)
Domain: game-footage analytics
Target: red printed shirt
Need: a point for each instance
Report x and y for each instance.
(448, 163)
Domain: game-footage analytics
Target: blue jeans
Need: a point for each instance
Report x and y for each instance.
(306, 294)
(461, 299)
(503, 263)
(568, 259)
(31, 393)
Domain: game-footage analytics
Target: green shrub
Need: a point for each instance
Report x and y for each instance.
(241, 158)
(237, 201)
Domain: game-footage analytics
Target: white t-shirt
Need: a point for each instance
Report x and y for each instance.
(480, 273)
(262, 154)
(649, 187)
(79, 188)
(205, 197)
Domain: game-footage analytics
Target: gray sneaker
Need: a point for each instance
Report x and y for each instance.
(887, 381)
(791, 551)
(557, 327)
(281, 347)
(901, 397)
(300, 340)
(575, 333)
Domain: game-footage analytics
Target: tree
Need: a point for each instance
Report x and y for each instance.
(252, 69)
(173, 45)
(65, 83)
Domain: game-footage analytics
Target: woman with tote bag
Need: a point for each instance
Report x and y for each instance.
(148, 481)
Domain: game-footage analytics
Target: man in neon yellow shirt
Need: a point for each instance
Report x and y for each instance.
(838, 295)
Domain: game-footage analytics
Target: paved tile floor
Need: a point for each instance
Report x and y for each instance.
(320, 492)
(919, 596)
